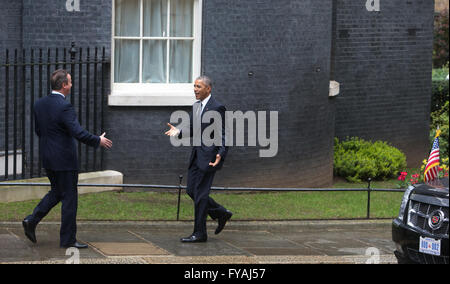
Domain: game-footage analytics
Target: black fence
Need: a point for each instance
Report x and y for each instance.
(180, 187)
(24, 78)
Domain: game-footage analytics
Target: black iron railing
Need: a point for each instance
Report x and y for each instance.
(24, 78)
(180, 187)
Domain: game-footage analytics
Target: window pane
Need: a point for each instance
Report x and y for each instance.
(180, 61)
(127, 20)
(126, 61)
(181, 15)
(154, 61)
(155, 18)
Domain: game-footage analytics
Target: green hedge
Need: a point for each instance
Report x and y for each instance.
(356, 159)
(440, 118)
(440, 43)
(439, 88)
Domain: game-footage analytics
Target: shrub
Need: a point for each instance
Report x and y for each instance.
(439, 88)
(440, 118)
(356, 159)
(440, 46)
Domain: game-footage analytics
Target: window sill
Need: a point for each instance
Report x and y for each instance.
(132, 96)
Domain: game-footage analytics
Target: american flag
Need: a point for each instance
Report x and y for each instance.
(431, 169)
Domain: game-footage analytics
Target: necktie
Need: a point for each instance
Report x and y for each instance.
(197, 124)
(199, 110)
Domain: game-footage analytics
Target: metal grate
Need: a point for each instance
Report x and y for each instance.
(419, 213)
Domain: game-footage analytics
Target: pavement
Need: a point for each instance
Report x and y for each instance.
(241, 242)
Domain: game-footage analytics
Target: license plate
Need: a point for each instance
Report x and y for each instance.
(430, 246)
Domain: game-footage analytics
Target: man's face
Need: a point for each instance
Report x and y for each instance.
(67, 87)
(201, 90)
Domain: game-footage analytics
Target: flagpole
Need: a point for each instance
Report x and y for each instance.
(431, 169)
(438, 132)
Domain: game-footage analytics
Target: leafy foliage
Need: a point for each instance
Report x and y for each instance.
(440, 48)
(440, 118)
(356, 159)
(440, 89)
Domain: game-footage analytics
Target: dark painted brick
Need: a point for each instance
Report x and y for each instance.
(292, 47)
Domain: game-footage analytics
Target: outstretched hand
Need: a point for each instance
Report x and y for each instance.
(105, 142)
(173, 131)
(218, 158)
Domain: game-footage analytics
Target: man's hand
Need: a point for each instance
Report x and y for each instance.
(173, 131)
(105, 142)
(218, 158)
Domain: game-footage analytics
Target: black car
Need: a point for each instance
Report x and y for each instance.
(420, 232)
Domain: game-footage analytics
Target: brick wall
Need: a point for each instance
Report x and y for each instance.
(272, 56)
(47, 23)
(286, 45)
(383, 62)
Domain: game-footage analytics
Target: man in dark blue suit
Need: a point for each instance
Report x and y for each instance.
(204, 162)
(57, 127)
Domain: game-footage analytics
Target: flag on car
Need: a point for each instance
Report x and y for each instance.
(431, 169)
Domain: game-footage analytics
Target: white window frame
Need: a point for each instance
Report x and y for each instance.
(157, 94)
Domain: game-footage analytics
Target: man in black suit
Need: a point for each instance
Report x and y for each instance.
(57, 125)
(204, 162)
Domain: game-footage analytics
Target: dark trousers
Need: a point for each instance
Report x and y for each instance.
(64, 189)
(198, 187)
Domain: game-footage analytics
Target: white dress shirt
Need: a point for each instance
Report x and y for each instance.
(204, 102)
(58, 93)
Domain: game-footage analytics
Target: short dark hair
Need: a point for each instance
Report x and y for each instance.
(58, 78)
(206, 80)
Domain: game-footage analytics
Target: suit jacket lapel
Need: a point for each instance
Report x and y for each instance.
(208, 105)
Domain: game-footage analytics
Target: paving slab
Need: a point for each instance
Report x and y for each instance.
(343, 241)
(128, 249)
(170, 241)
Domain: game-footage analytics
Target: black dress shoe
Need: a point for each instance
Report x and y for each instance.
(30, 229)
(193, 239)
(222, 221)
(76, 245)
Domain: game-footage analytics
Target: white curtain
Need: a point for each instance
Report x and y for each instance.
(180, 61)
(155, 18)
(154, 61)
(181, 25)
(126, 57)
(126, 61)
(181, 14)
(127, 19)
(154, 53)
